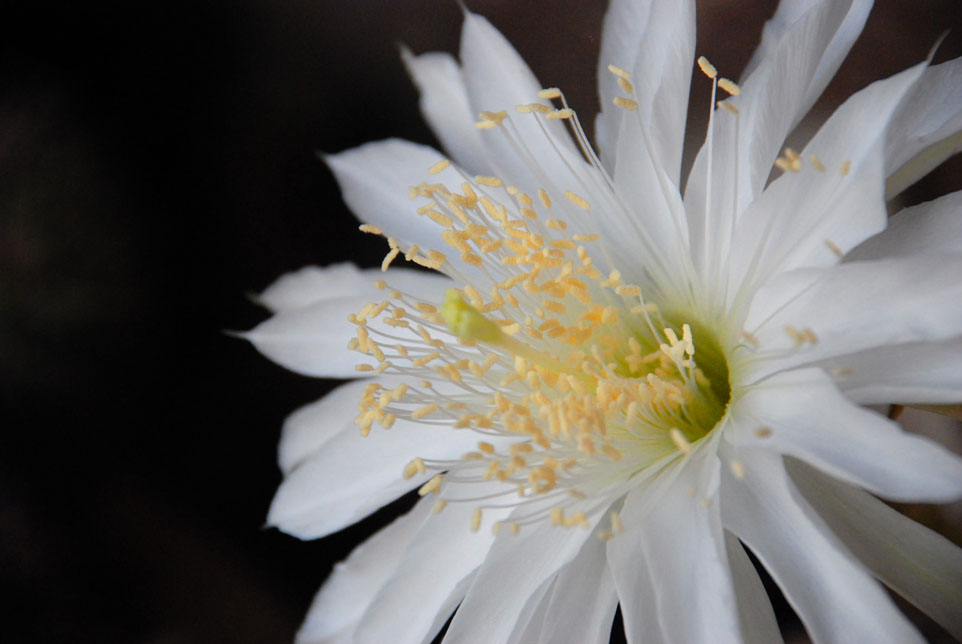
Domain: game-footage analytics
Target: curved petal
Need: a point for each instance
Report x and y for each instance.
(791, 73)
(311, 284)
(580, 603)
(835, 598)
(920, 565)
(806, 417)
(755, 615)
(444, 104)
(412, 605)
(341, 601)
(655, 41)
(496, 79)
(352, 475)
(375, 180)
(779, 26)
(805, 218)
(931, 227)
(515, 568)
(311, 338)
(851, 307)
(676, 538)
(912, 373)
(927, 128)
(309, 428)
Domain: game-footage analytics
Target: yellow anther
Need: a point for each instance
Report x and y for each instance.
(729, 86)
(625, 103)
(846, 167)
(491, 182)
(421, 412)
(476, 520)
(728, 107)
(394, 252)
(564, 113)
(439, 505)
(416, 466)
(370, 228)
(816, 163)
(543, 196)
(438, 167)
(550, 93)
(619, 72)
(433, 485)
(577, 200)
(707, 68)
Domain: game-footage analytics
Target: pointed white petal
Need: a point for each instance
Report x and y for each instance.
(444, 104)
(804, 218)
(428, 583)
(836, 599)
(778, 27)
(338, 606)
(912, 373)
(312, 338)
(756, 618)
(352, 475)
(310, 427)
(854, 306)
(931, 227)
(661, 37)
(497, 79)
(917, 563)
(790, 75)
(312, 284)
(683, 552)
(809, 419)
(515, 568)
(927, 128)
(375, 181)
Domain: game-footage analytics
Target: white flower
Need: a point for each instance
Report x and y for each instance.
(633, 384)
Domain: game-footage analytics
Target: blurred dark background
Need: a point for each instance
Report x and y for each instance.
(157, 165)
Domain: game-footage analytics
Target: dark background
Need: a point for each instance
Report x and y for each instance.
(157, 165)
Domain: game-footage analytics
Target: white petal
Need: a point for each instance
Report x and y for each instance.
(931, 227)
(917, 563)
(755, 615)
(803, 218)
(661, 37)
(809, 419)
(375, 181)
(835, 598)
(926, 129)
(497, 78)
(515, 568)
(352, 475)
(312, 284)
(788, 12)
(789, 77)
(338, 606)
(854, 306)
(312, 339)
(310, 427)
(912, 373)
(580, 604)
(429, 582)
(682, 551)
(444, 104)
